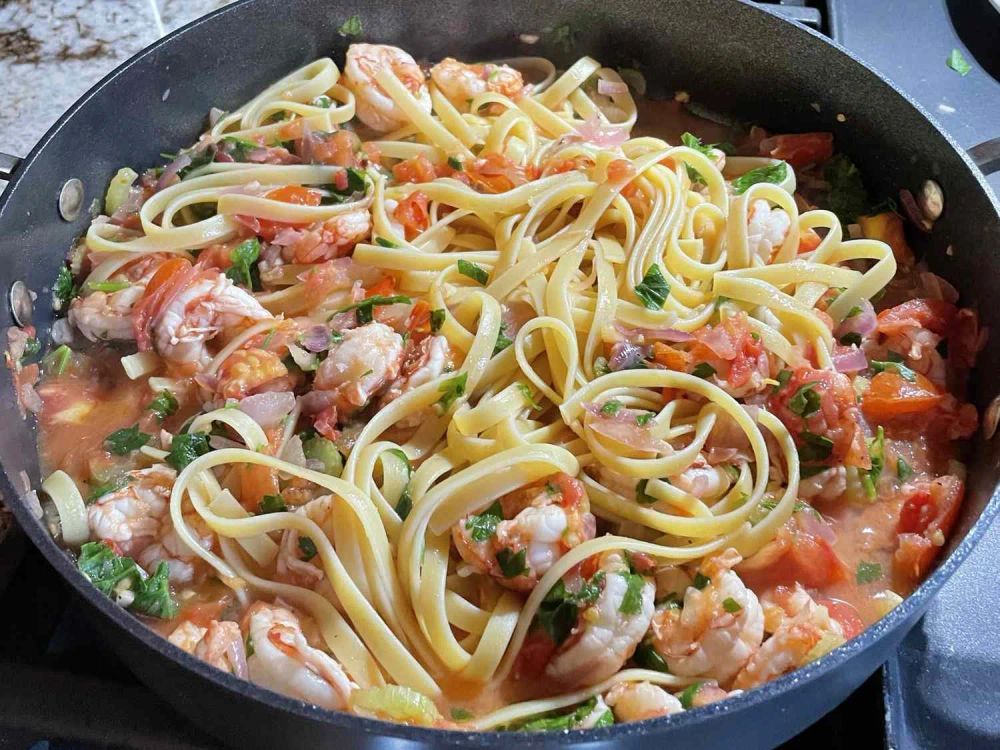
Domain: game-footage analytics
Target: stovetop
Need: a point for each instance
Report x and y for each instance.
(62, 689)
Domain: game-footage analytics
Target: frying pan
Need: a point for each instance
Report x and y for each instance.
(730, 56)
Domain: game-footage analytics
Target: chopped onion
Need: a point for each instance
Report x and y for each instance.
(62, 332)
(396, 702)
(626, 355)
(249, 430)
(140, 364)
(169, 175)
(214, 115)
(288, 236)
(69, 502)
(655, 334)
(307, 361)
(850, 360)
(293, 452)
(594, 130)
(607, 88)
(268, 409)
(316, 401)
(317, 339)
(863, 323)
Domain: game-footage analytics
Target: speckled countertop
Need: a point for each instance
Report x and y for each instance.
(51, 51)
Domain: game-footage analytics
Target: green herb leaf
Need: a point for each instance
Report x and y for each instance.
(632, 600)
(647, 657)
(701, 580)
(958, 63)
(703, 370)
(63, 289)
(640, 493)
(644, 419)
(773, 173)
(238, 148)
(453, 389)
(610, 408)
(163, 405)
(512, 563)
(557, 613)
(484, 525)
(810, 471)
(322, 101)
(244, 257)
(307, 548)
(856, 310)
(552, 723)
(105, 569)
(814, 447)
(56, 361)
(731, 605)
(351, 27)
(461, 714)
(686, 697)
(365, 309)
(897, 367)
(31, 347)
(437, 319)
(903, 469)
(805, 401)
(848, 197)
(474, 272)
(868, 572)
(528, 398)
(108, 287)
(783, 377)
(124, 441)
(153, 597)
(186, 447)
(405, 504)
(502, 341)
(272, 504)
(455, 163)
(851, 338)
(100, 490)
(384, 242)
(653, 290)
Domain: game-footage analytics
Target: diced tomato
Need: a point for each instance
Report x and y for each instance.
(570, 489)
(386, 287)
(671, 357)
(925, 520)
(494, 173)
(729, 347)
(933, 314)
(412, 213)
(620, 170)
(799, 149)
(535, 653)
(372, 151)
(255, 482)
(419, 321)
(417, 169)
(808, 241)
(167, 279)
(845, 614)
(340, 149)
(911, 561)
(890, 395)
(294, 194)
(201, 613)
(794, 556)
(326, 423)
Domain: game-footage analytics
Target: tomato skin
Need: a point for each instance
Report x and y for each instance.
(384, 288)
(168, 278)
(417, 169)
(845, 614)
(933, 314)
(890, 395)
(911, 561)
(671, 357)
(809, 241)
(925, 520)
(338, 150)
(419, 321)
(413, 214)
(799, 149)
(294, 194)
(535, 653)
(795, 556)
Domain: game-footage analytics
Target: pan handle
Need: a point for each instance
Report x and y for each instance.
(987, 156)
(8, 164)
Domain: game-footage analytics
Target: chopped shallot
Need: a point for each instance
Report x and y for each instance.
(268, 409)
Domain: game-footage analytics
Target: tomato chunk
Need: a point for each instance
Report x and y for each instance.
(413, 214)
(294, 194)
(933, 314)
(891, 395)
(845, 614)
(799, 149)
(417, 169)
(925, 520)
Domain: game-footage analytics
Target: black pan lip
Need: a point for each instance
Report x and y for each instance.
(908, 610)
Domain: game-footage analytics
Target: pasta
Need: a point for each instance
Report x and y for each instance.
(465, 399)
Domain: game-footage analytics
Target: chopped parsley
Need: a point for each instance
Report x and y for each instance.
(897, 367)
(31, 347)
(805, 401)
(364, 310)
(163, 405)
(773, 173)
(731, 605)
(632, 600)
(355, 182)
(153, 596)
(56, 362)
(703, 370)
(644, 419)
(701, 580)
(814, 447)
(512, 564)
(453, 389)
(63, 289)
(526, 393)
(557, 614)
(351, 27)
(571, 720)
(124, 441)
(694, 142)
(783, 377)
(903, 469)
(272, 504)
(653, 290)
(112, 574)
(957, 62)
(502, 341)
(405, 504)
(100, 490)
(384, 242)
(455, 163)
(687, 696)
(851, 338)
(848, 197)
(868, 572)
(646, 656)
(856, 310)
(437, 319)
(610, 408)
(186, 447)
(461, 714)
(483, 525)
(474, 272)
(323, 102)
(238, 148)
(307, 548)
(640, 493)
(244, 268)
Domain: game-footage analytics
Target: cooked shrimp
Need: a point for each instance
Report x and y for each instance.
(223, 648)
(180, 559)
(427, 360)
(829, 484)
(103, 316)
(604, 636)
(360, 366)
(334, 238)
(718, 627)
(292, 565)
(187, 636)
(637, 701)
(547, 519)
(283, 661)
(245, 370)
(210, 305)
(130, 517)
(375, 107)
(793, 642)
(766, 229)
(461, 82)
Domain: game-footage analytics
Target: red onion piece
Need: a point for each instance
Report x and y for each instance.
(268, 409)
(864, 323)
(208, 382)
(316, 401)
(626, 355)
(815, 525)
(287, 236)
(169, 175)
(316, 339)
(912, 210)
(671, 335)
(607, 88)
(938, 288)
(130, 206)
(593, 130)
(621, 426)
(850, 360)
(250, 222)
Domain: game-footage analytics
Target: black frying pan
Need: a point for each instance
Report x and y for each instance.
(730, 56)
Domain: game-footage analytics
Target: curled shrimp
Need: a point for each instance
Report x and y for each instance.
(130, 517)
(604, 636)
(461, 82)
(637, 701)
(334, 238)
(283, 661)
(422, 363)
(102, 316)
(804, 624)
(296, 564)
(767, 228)
(375, 107)
(547, 519)
(168, 547)
(245, 370)
(361, 365)
(206, 307)
(718, 628)
(220, 644)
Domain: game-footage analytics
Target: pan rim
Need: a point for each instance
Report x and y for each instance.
(907, 610)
